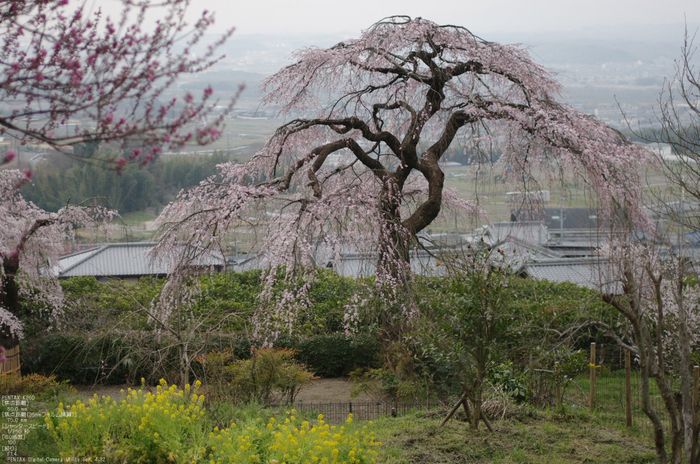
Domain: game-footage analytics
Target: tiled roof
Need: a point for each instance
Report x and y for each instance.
(588, 272)
(112, 259)
(116, 260)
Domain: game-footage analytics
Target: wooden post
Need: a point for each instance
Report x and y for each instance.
(591, 398)
(467, 411)
(628, 389)
(696, 386)
(559, 395)
(454, 409)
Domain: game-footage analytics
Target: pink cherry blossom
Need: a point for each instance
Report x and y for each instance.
(390, 104)
(31, 240)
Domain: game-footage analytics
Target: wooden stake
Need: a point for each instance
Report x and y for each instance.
(454, 409)
(465, 403)
(696, 386)
(591, 398)
(486, 421)
(628, 389)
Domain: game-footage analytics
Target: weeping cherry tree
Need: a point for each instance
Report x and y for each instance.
(357, 166)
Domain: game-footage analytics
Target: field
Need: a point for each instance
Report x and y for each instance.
(242, 137)
(523, 435)
(534, 437)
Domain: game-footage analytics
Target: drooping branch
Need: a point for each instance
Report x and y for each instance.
(11, 260)
(31, 240)
(390, 104)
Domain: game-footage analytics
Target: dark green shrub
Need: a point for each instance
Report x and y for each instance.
(74, 359)
(336, 354)
(114, 358)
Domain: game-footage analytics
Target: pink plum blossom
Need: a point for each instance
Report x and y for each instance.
(78, 63)
(9, 156)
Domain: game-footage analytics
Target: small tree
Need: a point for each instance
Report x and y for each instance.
(663, 313)
(467, 318)
(657, 299)
(183, 322)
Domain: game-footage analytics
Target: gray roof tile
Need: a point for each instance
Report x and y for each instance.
(117, 260)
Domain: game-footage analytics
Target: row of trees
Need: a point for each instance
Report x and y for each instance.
(59, 181)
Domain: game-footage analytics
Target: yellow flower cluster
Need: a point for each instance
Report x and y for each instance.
(293, 442)
(165, 425)
(171, 426)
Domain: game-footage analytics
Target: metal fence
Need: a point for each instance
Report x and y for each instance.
(371, 410)
(610, 401)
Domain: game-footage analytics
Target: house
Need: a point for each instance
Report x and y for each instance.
(567, 232)
(126, 261)
(594, 273)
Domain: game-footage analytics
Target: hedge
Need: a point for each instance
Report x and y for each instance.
(85, 362)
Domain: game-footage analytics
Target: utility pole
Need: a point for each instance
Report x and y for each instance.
(14, 145)
(561, 221)
(681, 217)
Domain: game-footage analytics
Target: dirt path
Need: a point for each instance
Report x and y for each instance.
(318, 391)
(330, 391)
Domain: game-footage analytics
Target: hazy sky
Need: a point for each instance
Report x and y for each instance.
(480, 16)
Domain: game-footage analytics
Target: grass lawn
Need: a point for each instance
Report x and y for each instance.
(532, 437)
(136, 218)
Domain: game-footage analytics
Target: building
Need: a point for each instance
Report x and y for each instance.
(126, 261)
